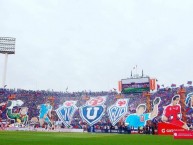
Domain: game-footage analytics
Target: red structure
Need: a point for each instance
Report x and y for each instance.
(12, 97)
(148, 102)
(51, 99)
(182, 93)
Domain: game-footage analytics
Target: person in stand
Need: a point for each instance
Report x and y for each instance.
(138, 130)
(153, 129)
(120, 127)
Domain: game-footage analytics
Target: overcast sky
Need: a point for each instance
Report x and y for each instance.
(92, 44)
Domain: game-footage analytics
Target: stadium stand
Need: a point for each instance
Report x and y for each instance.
(32, 99)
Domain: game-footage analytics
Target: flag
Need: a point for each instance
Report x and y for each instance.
(12, 97)
(158, 86)
(189, 82)
(67, 89)
(135, 67)
(132, 83)
(1, 92)
(167, 88)
(182, 85)
(85, 97)
(119, 96)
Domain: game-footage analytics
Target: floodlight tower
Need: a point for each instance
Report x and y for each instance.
(7, 46)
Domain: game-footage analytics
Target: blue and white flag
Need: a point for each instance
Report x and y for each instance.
(66, 112)
(118, 110)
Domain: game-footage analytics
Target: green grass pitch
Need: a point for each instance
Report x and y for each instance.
(51, 138)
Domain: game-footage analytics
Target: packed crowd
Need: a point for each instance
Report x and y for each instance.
(32, 99)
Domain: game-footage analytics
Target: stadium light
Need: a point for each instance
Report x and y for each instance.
(7, 46)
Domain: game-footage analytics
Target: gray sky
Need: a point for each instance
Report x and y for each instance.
(92, 44)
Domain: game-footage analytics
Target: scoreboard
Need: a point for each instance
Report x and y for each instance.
(137, 85)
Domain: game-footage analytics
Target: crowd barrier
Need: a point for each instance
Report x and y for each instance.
(43, 129)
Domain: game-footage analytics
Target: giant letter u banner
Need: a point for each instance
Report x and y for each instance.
(93, 110)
